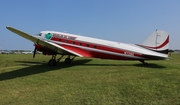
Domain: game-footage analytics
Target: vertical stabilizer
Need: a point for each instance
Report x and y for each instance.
(157, 41)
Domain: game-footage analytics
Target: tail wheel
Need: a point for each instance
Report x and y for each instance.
(143, 62)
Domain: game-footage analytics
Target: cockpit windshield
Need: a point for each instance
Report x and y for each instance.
(40, 34)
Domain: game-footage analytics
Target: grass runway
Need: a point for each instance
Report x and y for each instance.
(28, 81)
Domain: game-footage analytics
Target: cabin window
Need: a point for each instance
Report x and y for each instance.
(87, 45)
(73, 42)
(95, 46)
(80, 44)
(66, 41)
(59, 39)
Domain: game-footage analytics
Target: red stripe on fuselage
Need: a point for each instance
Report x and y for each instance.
(75, 47)
(94, 54)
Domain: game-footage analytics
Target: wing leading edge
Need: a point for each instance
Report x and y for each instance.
(44, 43)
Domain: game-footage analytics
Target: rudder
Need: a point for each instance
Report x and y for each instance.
(158, 41)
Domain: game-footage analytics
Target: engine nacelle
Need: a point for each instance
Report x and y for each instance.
(44, 50)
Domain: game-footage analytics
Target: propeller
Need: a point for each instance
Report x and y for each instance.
(35, 49)
(34, 53)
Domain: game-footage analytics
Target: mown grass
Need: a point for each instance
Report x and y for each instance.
(24, 80)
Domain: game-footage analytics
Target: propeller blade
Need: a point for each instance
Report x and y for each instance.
(34, 53)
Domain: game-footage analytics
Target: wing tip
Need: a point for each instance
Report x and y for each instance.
(8, 27)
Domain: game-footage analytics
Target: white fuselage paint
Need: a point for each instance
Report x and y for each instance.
(129, 49)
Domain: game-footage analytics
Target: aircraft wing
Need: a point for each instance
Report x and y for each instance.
(46, 44)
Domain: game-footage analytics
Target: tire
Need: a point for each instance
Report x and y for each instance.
(52, 62)
(67, 60)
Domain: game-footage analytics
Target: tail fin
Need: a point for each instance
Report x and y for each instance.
(158, 41)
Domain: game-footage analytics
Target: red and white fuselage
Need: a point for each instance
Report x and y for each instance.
(104, 49)
(155, 47)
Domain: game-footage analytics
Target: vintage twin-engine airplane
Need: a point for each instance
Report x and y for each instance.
(155, 47)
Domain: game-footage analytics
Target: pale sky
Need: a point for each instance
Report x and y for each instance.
(127, 21)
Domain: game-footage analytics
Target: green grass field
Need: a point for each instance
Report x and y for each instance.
(28, 81)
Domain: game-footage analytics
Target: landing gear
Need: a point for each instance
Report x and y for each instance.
(68, 60)
(143, 62)
(53, 61)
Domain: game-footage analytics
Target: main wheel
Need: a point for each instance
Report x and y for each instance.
(67, 60)
(52, 62)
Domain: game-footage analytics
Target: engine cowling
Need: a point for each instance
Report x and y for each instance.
(44, 50)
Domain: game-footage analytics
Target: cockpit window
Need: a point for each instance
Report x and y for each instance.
(40, 34)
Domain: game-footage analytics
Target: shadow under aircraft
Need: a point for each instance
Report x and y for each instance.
(41, 67)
